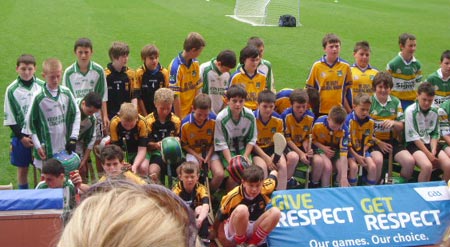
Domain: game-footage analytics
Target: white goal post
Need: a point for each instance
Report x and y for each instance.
(265, 12)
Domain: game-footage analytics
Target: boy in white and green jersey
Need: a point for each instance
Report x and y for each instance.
(53, 178)
(90, 105)
(235, 132)
(406, 70)
(215, 76)
(85, 76)
(441, 79)
(53, 119)
(422, 134)
(18, 96)
(387, 112)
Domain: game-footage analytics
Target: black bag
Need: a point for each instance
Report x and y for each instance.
(287, 21)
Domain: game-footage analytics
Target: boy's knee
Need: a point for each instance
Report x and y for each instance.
(241, 211)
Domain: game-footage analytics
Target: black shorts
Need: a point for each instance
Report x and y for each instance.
(268, 150)
(397, 147)
(157, 159)
(288, 149)
(412, 148)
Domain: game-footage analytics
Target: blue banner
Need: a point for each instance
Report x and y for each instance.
(386, 215)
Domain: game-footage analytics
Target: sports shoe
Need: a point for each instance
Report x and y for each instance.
(292, 183)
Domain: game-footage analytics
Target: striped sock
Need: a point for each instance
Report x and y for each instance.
(258, 236)
(353, 181)
(240, 239)
(370, 182)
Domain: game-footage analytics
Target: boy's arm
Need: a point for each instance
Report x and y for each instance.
(140, 157)
(203, 213)
(248, 150)
(105, 118)
(227, 155)
(177, 105)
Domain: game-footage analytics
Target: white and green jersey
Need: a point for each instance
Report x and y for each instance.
(391, 110)
(68, 193)
(421, 125)
(81, 84)
(17, 101)
(229, 133)
(441, 85)
(51, 121)
(87, 130)
(214, 84)
(406, 77)
(444, 113)
(266, 68)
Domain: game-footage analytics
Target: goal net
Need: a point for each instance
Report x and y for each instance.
(265, 12)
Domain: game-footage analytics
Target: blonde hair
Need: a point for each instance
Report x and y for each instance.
(119, 213)
(128, 112)
(164, 95)
(51, 64)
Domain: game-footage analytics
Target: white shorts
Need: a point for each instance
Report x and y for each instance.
(230, 232)
(190, 157)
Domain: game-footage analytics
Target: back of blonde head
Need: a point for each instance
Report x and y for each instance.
(129, 215)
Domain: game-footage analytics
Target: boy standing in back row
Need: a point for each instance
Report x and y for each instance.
(119, 78)
(53, 119)
(184, 71)
(86, 76)
(215, 76)
(406, 70)
(150, 77)
(331, 76)
(18, 97)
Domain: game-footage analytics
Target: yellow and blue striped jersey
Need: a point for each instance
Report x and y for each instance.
(266, 130)
(295, 130)
(359, 128)
(331, 81)
(362, 79)
(184, 80)
(282, 101)
(198, 137)
(322, 133)
(252, 84)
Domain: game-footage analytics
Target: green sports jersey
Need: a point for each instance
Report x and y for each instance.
(234, 135)
(17, 100)
(68, 193)
(441, 85)
(391, 110)
(81, 84)
(87, 130)
(214, 84)
(406, 77)
(444, 112)
(51, 121)
(421, 125)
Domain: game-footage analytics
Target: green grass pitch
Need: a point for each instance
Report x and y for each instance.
(49, 29)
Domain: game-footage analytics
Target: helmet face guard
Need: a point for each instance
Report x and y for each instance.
(70, 162)
(236, 167)
(171, 151)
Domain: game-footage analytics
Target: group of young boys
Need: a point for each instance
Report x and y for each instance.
(348, 118)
